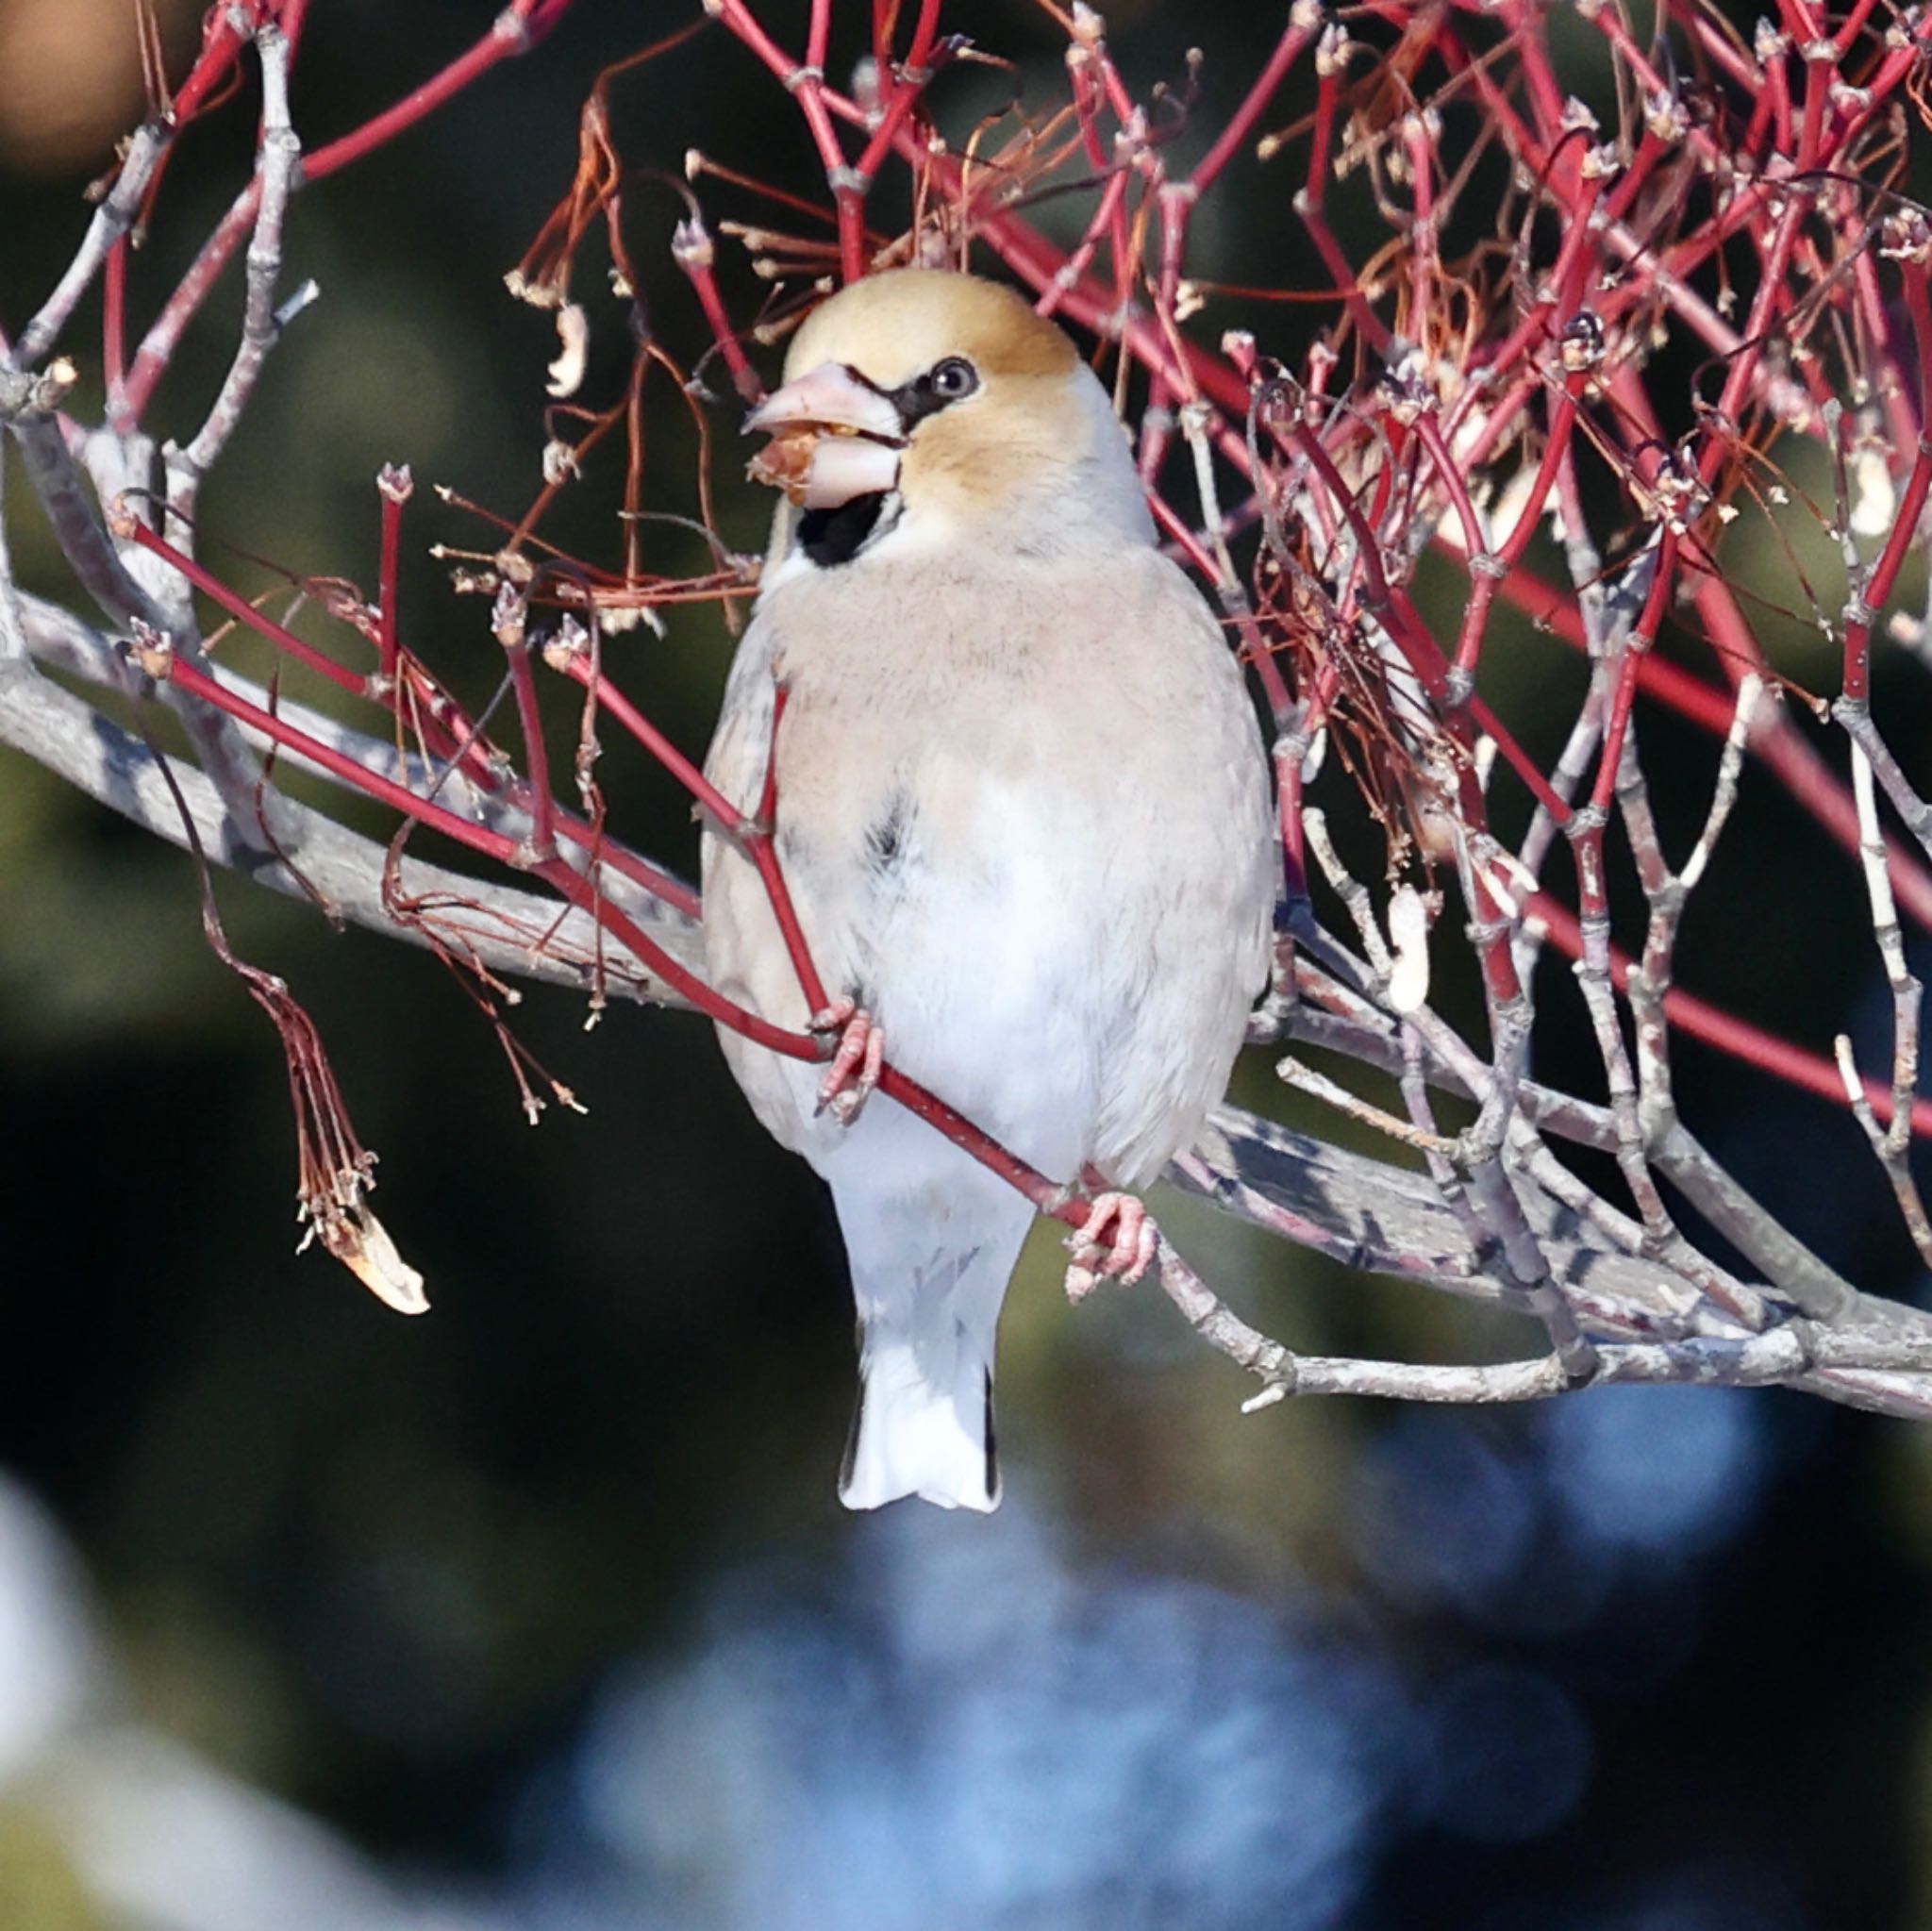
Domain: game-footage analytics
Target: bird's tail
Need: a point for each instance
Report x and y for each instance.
(912, 1434)
(929, 1268)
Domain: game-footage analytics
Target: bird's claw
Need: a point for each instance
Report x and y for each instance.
(1117, 1241)
(855, 1063)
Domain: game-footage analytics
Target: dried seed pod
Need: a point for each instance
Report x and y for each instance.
(785, 461)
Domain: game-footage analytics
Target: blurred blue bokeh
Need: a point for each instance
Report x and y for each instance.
(948, 1721)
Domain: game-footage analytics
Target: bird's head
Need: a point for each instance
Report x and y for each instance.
(934, 408)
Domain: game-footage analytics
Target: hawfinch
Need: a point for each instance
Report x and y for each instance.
(1021, 808)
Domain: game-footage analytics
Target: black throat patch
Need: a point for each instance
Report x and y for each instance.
(831, 536)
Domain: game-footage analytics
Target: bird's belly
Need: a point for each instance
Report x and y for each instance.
(985, 979)
(1008, 904)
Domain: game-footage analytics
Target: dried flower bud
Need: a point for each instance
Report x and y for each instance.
(1665, 118)
(150, 649)
(1404, 385)
(691, 244)
(1332, 51)
(565, 645)
(539, 294)
(1905, 236)
(1237, 346)
(616, 618)
(506, 616)
(1582, 342)
(573, 334)
(363, 1244)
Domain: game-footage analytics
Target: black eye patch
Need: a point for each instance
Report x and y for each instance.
(949, 380)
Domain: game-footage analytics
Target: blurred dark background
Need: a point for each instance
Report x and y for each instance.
(540, 1610)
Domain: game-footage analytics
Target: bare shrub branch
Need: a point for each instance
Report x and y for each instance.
(1494, 365)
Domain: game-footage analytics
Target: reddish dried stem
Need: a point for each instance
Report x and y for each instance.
(568, 884)
(542, 846)
(724, 812)
(760, 841)
(115, 315)
(395, 486)
(693, 250)
(1302, 28)
(1633, 649)
(130, 528)
(1734, 1038)
(515, 30)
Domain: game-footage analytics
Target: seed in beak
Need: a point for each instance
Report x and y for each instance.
(821, 465)
(785, 461)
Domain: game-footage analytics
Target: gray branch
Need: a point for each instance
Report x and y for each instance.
(1372, 1217)
(56, 638)
(111, 219)
(510, 933)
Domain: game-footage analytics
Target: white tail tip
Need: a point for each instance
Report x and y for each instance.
(909, 1437)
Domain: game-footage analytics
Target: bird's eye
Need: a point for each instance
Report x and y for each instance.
(953, 378)
(946, 382)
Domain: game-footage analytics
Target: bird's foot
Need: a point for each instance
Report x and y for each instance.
(855, 1063)
(1117, 1241)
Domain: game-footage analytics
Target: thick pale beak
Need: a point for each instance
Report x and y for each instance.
(832, 439)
